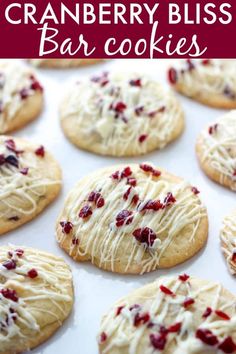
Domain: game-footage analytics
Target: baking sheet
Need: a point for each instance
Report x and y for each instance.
(97, 290)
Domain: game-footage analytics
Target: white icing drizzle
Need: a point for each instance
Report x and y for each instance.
(100, 239)
(60, 62)
(89, 103)
(21, 318)
(14, 77)
(213, 78)
(219, 148)
(164, 310)
(228, 240)
(19, 193)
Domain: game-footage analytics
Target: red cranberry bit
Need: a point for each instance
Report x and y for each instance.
(9, 265)
(212, 129)
(132, 181)
(127, 193)
(169, 199)
(10, 145)
(75, 241)
(139, 110)
(102, 80)
(125, 217)
(154, 113)
(158, 341)
(67, 227)
(35, 85)
(2, 159)
(119, 107)
(183, 277)
(207, 337)
(234, 257)
(222, 314)
(190, 64)
(227, 346)
(206, 62)
(24, 171)
(136, 83)
(207, 312)
(142, 138)
(135, 306)
(9, 294)
(126, 172)
(141, 319)
(24, 93)
(32, 273)
(119, 310)
(103, 337)
(229, 93)
(85, 212)
(148, 168)
(166, 290)
(14, 218)
(145, 235)
(153, 205)
(19, 252)
(188, 302)
(40, 151)
(175, 328)
(172, 76)
(12, 160)
(195, 190)
(97, 199)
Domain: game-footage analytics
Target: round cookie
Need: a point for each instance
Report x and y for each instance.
(63, 63)
(132, 219)
(36, 296)
(120, 114)
(228, 241)
(216, 150)
(173, 315)
(30, 179)
(211, 82)
(21, 96)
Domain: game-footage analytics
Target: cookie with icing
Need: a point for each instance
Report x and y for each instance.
(63, 63)
(216, 150)
(30, 179)
(120, 114)
(228, 241)
(36, 296)
(132, 219)
(211, 82)
(21, 96)
(173, 315)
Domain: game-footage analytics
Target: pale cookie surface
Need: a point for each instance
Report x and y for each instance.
(211, 82)
(63, 63)
(120, 114)
(30, 179)
(228, 241)
(174, 315)
(36, 296)
(132, 219)
(216, 150)
(21, 96)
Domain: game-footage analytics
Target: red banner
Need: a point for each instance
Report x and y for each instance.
(116, 29)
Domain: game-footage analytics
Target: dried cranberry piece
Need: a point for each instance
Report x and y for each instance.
(207, 337)
(32, 273)
(142, 138)
(85, 212)
(19, 252)
(139, 110)
(11, 145)
(212, 129)
(67, 226)
(148, 168)
(229, 92)
(136, 83)
(40, 151)
(2, 159)
(24, 93)
(12, 160)
(132, 181)
(222, 314)
(154, 113)
(188, 302)
(172, 76)
(227, 346)
(75, 241)
(166, 290)
(102, 80)
(206, 61)
(97, 199)
(190, 64)
(9, 294)
(103, 337)
(127, 193)
(145, 235)
(175, 328)
(134, 307)
(207, 312)
(183, 277)
(119, 107)
(24, 171)
(195, 190)
(119, 310)
(169, 199)
(14, 218)
(9, 265)
(35, 85)
(124, 217)
(158, 341)
(153, 205)
(234, 257)
(126, 172)
(141, 319)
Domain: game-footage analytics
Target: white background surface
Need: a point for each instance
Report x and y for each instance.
(96, 290)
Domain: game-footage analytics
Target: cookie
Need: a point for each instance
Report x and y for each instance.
(30, 179)
(120, 114)
(36, 296)
(21, 96)
(63, 63)
(211, 82)
(228, 241)
(132, 219)
(173, 315)
(216, 150)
